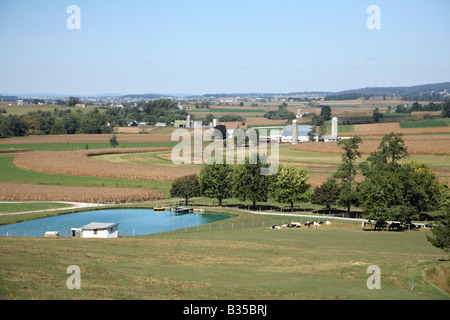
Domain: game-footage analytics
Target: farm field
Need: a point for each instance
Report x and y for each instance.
(214, 261)
(118, 168)
(250, 263)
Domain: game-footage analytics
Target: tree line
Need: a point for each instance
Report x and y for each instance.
(65, 121)
(391, 188)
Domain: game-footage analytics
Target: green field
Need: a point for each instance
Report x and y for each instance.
(424, 124)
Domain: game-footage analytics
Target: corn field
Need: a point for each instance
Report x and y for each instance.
(32, 192)
(80, 163)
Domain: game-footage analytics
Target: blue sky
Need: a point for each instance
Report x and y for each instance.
(218, 46)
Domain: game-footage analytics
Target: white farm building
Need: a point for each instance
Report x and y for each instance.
(285, 134)
(96, 230)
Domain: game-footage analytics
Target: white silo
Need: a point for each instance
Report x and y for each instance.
(214, 123)
(334, 126)
(294, 132)
(188, 122)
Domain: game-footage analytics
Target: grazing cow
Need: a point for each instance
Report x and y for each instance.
(308, 224)
(380, 225)
(316, 225)
(364, 223)
(395, 226)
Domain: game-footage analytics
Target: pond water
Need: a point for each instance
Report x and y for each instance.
(131, 221)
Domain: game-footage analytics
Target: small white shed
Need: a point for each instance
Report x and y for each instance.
(100, 230)
(51, 234)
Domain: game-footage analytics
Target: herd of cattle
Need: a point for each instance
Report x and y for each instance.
(298, 225)
(374, 225)
(390, 225)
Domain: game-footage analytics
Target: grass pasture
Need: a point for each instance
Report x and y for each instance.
(240, 263)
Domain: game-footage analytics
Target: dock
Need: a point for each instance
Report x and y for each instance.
(181, 209)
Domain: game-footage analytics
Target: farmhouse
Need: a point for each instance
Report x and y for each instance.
(96, 230)
(232, 126)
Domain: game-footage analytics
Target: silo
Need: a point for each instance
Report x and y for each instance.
(334, 126)
(214, 123)
(294, 132)
(188, 122)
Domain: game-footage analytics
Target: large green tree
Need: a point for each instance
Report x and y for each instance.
(72, 101)
(440, 237)
(215, 181)
(186, 187)
(289, 185)
(392, 147)
(392, 191)
(325, 113)
(347, 171)
(326, 194)
(249, 183)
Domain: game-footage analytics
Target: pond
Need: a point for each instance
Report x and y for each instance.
(131, 222)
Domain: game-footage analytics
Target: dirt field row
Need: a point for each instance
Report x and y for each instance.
(79, 163)
(32, 192)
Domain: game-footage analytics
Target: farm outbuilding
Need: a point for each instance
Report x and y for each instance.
(97, 230)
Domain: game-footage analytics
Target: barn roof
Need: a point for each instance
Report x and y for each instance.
(99, 225)
(302, 130)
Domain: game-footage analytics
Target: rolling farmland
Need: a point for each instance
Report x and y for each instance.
(140, 170)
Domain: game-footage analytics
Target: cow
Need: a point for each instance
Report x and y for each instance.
(395, 226)
(295, 225)
(380, 225)
(316, 225)
(364, 223)
(276, 227)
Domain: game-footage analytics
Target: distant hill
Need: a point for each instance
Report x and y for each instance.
(8, 98)
(420, 92)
